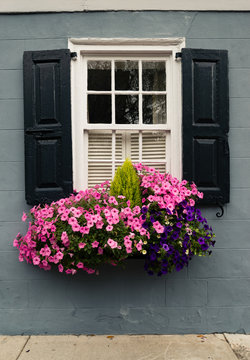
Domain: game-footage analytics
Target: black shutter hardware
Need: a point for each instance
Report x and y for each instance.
(206, 123)
(47, 125)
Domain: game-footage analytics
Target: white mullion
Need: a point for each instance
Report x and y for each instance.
(140, 92)
(127, 145)
(113, 152)
(136, 127)
(168, 151)
(125, 92)
(140, 146)
(169, 93)
(85, 158)
(113, 90)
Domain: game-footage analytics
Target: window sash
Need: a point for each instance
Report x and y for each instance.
(166, 58)
(124, 47)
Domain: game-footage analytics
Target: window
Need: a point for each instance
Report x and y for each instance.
(126, 103)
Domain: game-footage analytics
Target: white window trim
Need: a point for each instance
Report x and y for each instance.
(122, 46)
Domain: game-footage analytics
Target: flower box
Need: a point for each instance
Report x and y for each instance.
(93, 227)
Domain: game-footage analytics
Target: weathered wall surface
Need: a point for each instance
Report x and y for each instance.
(213, 294)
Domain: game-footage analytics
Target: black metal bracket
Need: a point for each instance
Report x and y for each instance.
(178, 56)
(73, 55)
(220, 214)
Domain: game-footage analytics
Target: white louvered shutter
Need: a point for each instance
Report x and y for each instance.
(99, 157)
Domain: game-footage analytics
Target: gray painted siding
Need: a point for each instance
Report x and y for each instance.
(213, 293)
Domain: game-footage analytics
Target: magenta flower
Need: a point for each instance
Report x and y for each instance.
(95, 244)
(109, 228)
(112, 243)
(24, 217)
(36, 260)
(81, 245)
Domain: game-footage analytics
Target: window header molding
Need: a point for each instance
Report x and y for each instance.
(111, 46)
(127, 41)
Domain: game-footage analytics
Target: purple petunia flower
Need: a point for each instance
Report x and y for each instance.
(184, 203)
(179, 267)
(179, 224)
(144, 209)
(152, 219)
(204, 247)
(165, 247)
(153, 256)
(168, 228)
(164, 236)
(175, 235)
(201, 241)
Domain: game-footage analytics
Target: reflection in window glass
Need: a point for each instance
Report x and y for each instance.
(99, 75)
(126, 109)
(154, 109)
(126, 75)
(153, 76)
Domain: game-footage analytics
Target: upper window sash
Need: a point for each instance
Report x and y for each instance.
(140, 93)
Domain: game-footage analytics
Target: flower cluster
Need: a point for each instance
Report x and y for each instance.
(177, 229)
(91, 228)
(81, 232)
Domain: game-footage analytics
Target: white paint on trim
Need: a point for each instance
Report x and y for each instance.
(115, 47)
(109, 5)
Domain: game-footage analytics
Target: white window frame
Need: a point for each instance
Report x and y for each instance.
(133, 47)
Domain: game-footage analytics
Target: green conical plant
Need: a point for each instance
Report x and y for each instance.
(126, 182)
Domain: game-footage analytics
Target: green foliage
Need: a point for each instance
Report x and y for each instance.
(126, 182)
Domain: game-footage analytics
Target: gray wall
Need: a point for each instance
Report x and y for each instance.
(213, 294)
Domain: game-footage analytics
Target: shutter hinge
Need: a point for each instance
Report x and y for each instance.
(73, 55)
(178, 56)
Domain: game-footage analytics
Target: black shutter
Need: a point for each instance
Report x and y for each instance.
(47, 125)
(206, 122)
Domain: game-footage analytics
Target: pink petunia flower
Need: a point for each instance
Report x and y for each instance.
(100, 251)
(109, 228)
(113, 244)
(95, 244)
(36, 260)
(60, 268)
(80, 265)
(24, 217)
(81, 245)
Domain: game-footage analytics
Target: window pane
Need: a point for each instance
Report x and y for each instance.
(99, 109)
(153, 76)
(99, 75)
(126, 109)
(126, 75)
(154, 109)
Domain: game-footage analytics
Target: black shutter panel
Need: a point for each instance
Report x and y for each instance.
(47, 125)
(206, 122)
